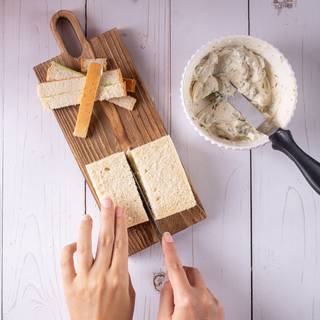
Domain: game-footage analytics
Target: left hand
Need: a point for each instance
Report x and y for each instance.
(100, 289)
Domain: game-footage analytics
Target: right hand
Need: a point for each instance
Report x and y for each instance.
(185, 295)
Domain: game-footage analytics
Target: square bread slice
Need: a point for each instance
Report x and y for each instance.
(112, 177)
(162, 176)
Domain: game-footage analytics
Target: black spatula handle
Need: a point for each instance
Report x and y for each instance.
(282, 140)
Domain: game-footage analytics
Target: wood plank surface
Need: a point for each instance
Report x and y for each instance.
(219, 247)
(115, 129)
(44, 194)
(43, 191)
(286, 224)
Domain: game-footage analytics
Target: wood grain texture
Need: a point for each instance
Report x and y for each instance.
(219, 247)
(128, 130)
(145, 29)
(285, 209)
(43, 191)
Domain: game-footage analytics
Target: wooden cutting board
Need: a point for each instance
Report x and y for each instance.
(113, 129)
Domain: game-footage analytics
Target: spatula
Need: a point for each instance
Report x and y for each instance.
(281, 139)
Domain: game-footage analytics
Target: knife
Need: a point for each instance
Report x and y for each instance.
(281, 140)
(147, 206)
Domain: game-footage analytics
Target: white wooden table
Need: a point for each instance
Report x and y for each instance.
(259, 249)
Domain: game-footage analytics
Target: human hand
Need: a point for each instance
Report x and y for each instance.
(185, 295)
(100, 288)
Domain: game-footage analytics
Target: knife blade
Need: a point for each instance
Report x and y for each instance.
(254, 117)
(147, 206)
(281, 139)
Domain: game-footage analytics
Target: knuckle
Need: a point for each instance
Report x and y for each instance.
(81, 288)
(207, 300)
(118, 244)
(96, 285)
(117, 283)
(175, 266)
(186, 300)
(106, 240)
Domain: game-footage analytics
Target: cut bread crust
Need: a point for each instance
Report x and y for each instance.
(87, 99)
(112, 177)
(162, 176)
(131, 84)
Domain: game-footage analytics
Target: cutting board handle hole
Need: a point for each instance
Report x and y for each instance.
(69, 37)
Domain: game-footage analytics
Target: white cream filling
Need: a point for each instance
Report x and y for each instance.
(216, 77)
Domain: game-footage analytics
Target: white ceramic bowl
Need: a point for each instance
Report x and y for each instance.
(281, 76)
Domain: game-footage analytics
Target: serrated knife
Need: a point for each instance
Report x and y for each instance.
(281, 139)
(147, 206)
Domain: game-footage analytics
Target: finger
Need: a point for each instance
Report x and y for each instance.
(106, 235)
(67, 264)
(194, 276)
(84, 246)
(132, 292)
(176, 273)
(213, 296)
(132, 295)
(120, 248)
(166, 306)
(218, 312)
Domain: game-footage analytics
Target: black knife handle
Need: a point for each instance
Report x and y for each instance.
(282, 140)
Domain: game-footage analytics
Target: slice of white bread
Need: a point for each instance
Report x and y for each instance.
(112, 177)
(73, 98)
(84, 63)
(57, 71)
(52, 88)
(127, 102)
(162, 176)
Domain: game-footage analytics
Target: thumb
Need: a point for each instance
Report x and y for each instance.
(166, 306)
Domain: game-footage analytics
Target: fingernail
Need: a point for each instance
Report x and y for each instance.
(119, 212)
(86, 217)
(106, 203)
(167, 237)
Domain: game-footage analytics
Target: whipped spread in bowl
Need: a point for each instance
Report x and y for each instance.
(218, 75)
(251, 66)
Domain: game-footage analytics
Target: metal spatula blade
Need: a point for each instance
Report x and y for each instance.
(252, 114)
